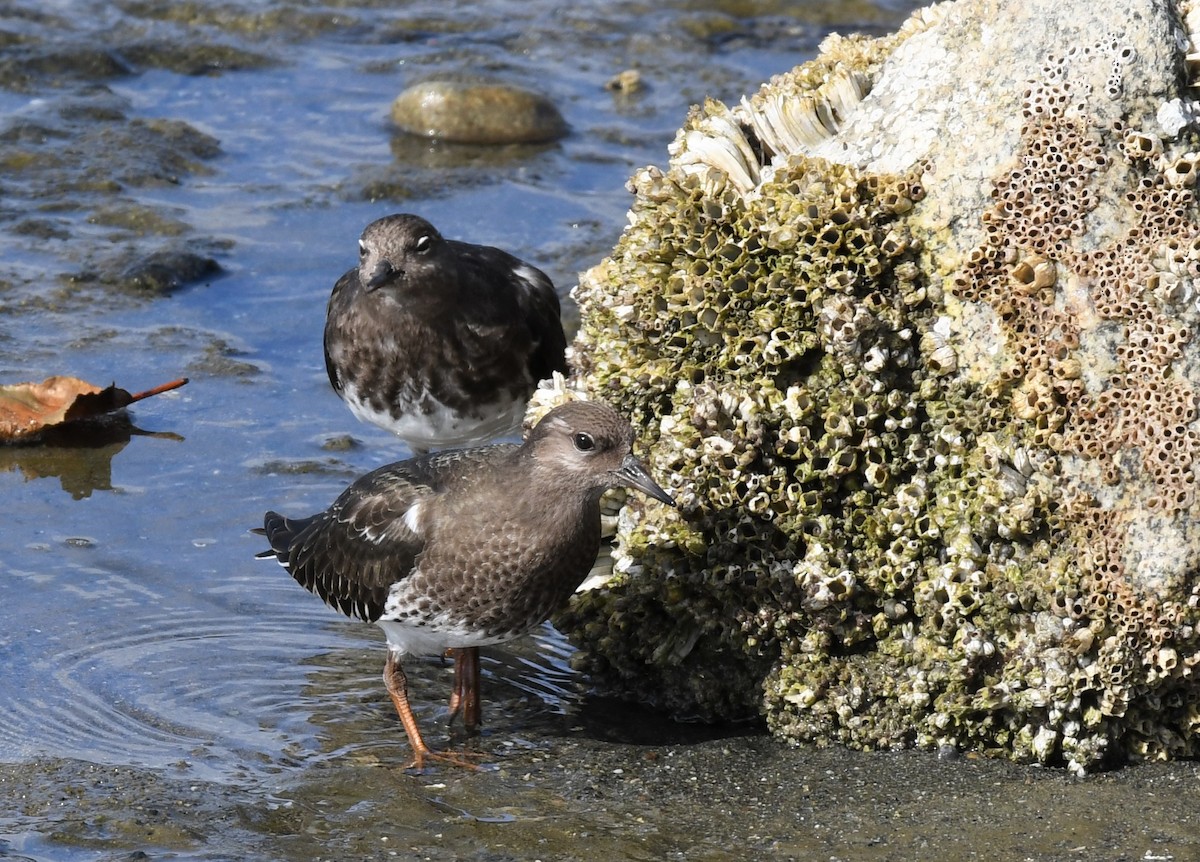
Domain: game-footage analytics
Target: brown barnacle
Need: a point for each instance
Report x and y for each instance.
(1169, 287)
(1139, 146)
(1181, 172)
(1033, 274)
(1029, 401)
(1068, 369)
(895, 203)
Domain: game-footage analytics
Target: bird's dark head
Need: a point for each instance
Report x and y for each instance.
(400, 250)
(591, 446)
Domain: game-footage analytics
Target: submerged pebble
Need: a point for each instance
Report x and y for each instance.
(628, 81)
(166, 271)
(477, 113)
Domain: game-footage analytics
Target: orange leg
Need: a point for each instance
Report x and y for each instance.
(464, 698)
(397, 686)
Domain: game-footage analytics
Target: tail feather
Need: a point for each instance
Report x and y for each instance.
(280, 533)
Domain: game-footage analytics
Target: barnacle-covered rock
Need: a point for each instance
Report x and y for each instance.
(911, 333)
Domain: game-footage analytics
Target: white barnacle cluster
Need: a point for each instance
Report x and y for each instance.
(714, 148)
(791, 116)
(786, 123)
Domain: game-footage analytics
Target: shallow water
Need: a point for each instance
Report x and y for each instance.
(161, 690)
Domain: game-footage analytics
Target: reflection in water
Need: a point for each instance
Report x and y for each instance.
(532, 701)
(528, 689)
(79, 453)
(424, 169)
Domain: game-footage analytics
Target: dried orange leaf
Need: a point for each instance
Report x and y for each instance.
(28, 408)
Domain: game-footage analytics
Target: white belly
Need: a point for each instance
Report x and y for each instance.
(441, 426)
(406, 638)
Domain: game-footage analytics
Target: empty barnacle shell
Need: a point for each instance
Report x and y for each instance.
(894, 243)
(943, 360)
(1034, 273)
(787, 122)
(1181, 172)
(1141, 146)
(717, 141)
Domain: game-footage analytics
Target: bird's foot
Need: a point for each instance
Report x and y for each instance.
(422, 758)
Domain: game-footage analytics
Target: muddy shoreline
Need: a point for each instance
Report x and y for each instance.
(580, 798)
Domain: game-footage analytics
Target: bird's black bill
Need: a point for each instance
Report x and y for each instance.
(635, 475)
(380, 276)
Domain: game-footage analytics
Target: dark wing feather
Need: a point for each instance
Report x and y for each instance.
(352, 553)
(543, 312)
(532, 293)
(341, 300)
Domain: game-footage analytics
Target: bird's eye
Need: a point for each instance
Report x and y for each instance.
(424, 243)
(584, 442)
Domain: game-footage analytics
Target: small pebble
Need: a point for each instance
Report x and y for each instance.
(629, 81)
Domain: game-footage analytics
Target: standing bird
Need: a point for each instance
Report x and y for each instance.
(438, 341)
(467, 547)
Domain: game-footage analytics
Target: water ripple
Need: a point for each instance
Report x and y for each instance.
(175, 690)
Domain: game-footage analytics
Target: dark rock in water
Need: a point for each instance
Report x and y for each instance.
(167, 271)
(188, 58)
(477, 113)
(39, 228)
(26, 68)
(421, 168)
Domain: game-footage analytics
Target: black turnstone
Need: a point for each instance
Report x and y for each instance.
(438, 341)
(468, 547)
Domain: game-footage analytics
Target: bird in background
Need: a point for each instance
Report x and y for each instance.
(468, 547)
(438, 341)
(442, 343)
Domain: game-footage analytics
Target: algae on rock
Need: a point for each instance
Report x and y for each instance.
(911, 333)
